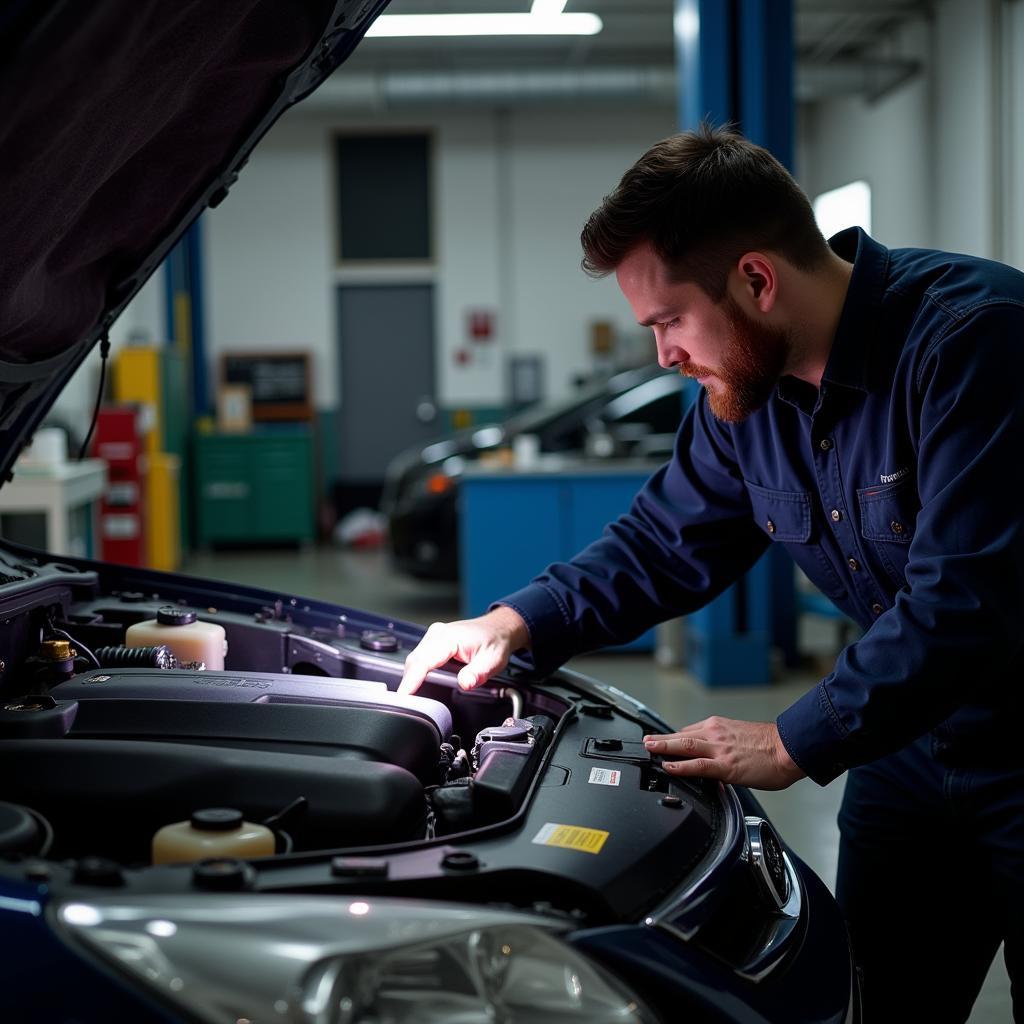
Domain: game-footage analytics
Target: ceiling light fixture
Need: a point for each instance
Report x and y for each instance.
(547, 8)
(537, 23)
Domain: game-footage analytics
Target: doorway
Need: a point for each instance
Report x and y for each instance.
(387, 388)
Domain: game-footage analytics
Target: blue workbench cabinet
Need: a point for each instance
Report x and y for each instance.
(515, 522)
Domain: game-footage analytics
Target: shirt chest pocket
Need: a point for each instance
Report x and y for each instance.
(887, 519)
(786, 517)
(783, 515)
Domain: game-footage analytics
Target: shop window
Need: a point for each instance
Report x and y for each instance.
(844, 207)
(383, 197)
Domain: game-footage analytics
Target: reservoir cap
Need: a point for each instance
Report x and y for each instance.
(171, 616)
(217, 819)
(378, 640)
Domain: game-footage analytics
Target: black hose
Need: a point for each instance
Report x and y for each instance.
(159, 656)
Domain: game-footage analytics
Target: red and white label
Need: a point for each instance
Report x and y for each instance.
(605, 777)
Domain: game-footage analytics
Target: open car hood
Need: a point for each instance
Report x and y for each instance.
(124, 122)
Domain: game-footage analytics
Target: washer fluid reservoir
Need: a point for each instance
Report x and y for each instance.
(188, 639)
(212, 832)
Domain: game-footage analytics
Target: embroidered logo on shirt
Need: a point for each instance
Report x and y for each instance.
(891, 478)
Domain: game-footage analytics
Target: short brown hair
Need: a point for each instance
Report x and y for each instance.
(702, 199)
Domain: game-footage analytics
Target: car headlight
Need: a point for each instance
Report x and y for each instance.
(330, 960)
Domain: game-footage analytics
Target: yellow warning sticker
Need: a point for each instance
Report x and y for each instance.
(571, 837)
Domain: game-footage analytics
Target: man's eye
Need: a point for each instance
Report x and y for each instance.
(674, 322)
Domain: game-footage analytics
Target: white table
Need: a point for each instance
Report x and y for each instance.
(56, 491)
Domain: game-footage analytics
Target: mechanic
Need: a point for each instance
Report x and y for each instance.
(863, 407)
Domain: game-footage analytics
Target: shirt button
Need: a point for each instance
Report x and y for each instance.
(853, 564)
(896, 527)
(836, 515)
(877, 609)
(770, 526)
(825, 444)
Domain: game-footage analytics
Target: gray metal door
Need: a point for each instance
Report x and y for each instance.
(386, 361)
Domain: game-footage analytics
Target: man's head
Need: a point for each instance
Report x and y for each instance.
(698, 232)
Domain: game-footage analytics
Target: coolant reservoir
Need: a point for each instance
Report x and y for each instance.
(212, 832)
(188, 639)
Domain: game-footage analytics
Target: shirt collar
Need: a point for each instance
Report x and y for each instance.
(849, 360)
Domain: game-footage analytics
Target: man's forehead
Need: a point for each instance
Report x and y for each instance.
(643, 261)
(652, 290)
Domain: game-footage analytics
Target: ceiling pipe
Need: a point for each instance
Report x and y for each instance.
(390, 90)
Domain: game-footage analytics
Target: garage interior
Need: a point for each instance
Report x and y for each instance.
(399, 262)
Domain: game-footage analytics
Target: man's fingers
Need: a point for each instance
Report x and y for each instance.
(411, 681)
(699, 766)
(467, 679)
(485, 663)
(434, 650)
(418, 664)
(685, 745)
(483, 644)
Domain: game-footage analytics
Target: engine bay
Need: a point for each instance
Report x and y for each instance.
(301, 730)
(529, 792)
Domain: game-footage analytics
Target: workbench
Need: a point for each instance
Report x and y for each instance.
(63, 493)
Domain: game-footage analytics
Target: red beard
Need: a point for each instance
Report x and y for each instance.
(750, 369)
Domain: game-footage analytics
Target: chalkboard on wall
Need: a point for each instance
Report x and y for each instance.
(279, 382)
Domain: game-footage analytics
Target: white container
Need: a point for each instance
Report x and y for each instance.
(526, 450)
(49, 447)
(212, 832)
(188, 639)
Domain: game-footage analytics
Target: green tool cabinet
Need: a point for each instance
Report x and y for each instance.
(255, 487)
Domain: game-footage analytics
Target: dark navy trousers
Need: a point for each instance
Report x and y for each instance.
(931, 878)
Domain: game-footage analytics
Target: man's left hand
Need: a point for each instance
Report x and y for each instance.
(741, 753)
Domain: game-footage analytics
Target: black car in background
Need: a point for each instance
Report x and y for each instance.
(633, 413)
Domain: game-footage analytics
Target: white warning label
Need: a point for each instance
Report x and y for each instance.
(605, 777)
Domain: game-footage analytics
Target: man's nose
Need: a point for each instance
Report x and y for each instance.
(670, 353)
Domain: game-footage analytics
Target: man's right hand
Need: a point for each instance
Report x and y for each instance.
(485, 644)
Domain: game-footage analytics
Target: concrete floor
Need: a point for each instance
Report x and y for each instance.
(805, 814)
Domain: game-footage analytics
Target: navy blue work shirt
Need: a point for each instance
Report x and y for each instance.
(896, 487)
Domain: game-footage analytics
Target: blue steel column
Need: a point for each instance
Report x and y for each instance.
(185, 309)
(735, 64)
(765, 47)
(767, 118)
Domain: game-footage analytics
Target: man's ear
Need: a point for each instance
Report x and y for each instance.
(756, 281)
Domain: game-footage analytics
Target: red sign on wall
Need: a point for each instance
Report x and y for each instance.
(480, 325)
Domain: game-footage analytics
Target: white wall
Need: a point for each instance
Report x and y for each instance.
(885, 143)
(965, 112)
(267, 254)
(512, 191)
(1012, 35)
(943, 152)
(558, 170)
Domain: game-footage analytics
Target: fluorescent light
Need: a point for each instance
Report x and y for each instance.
(391, 25)
(546, 8)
